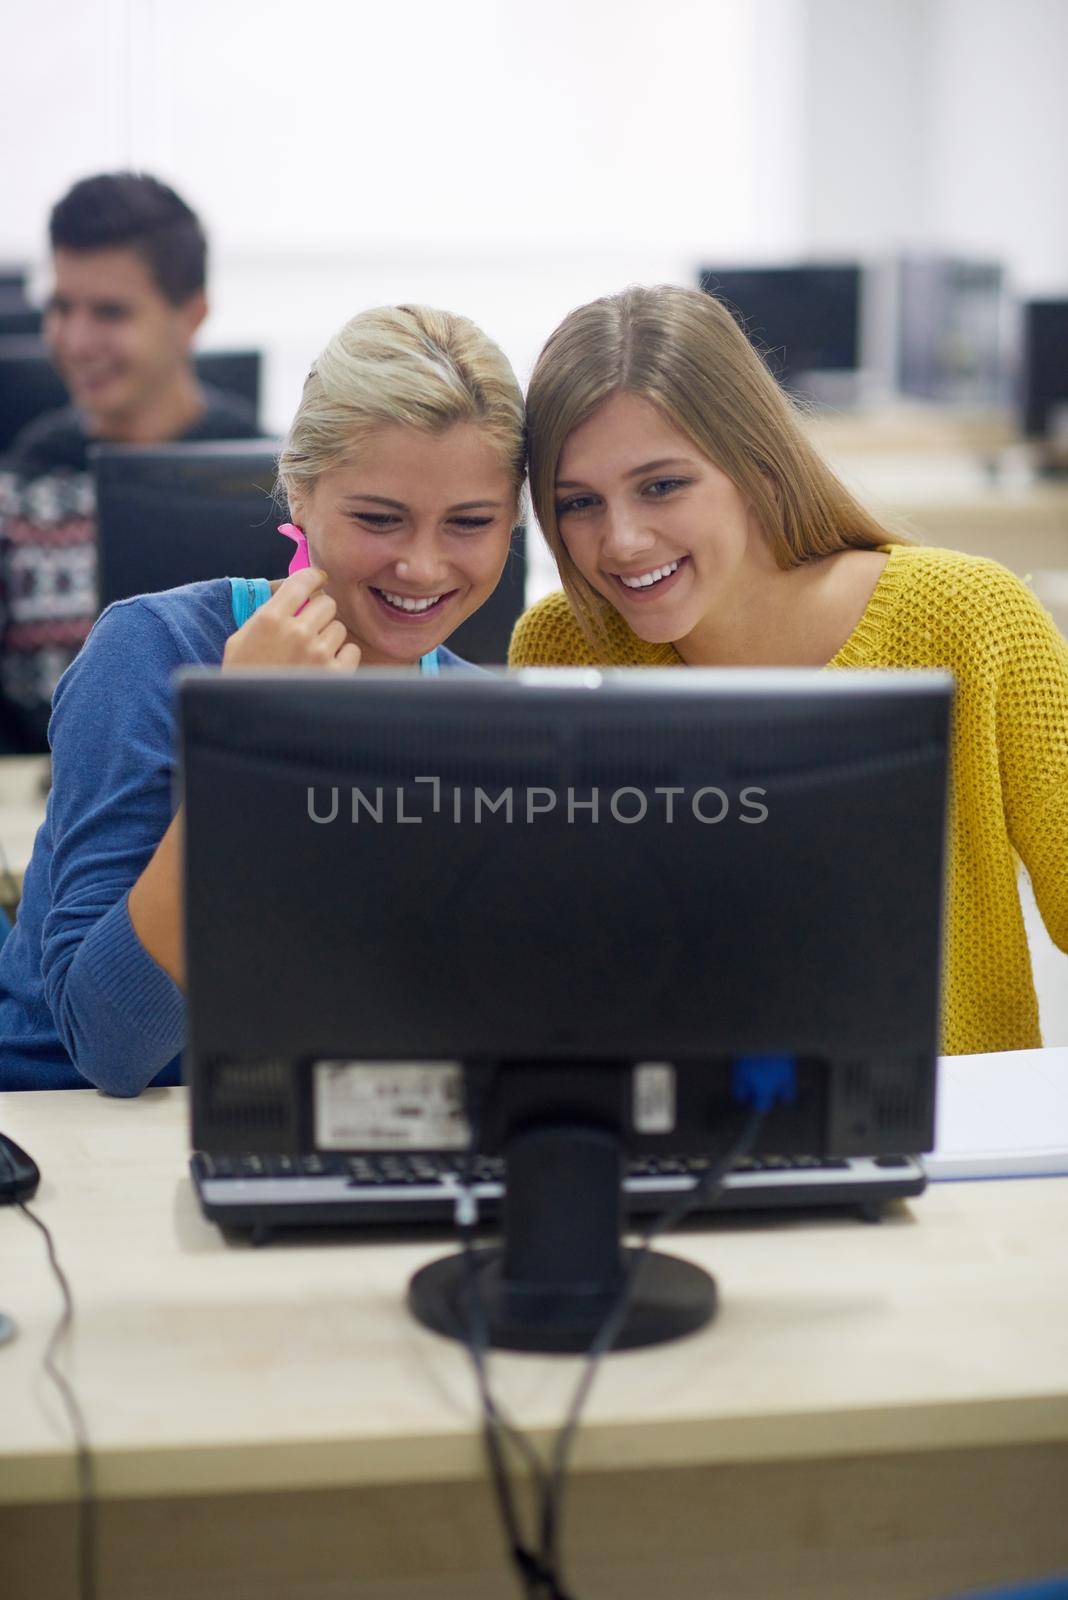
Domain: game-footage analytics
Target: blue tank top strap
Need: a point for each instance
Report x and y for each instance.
(246, 596)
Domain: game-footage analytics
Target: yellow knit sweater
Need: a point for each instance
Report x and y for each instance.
(1009, 785)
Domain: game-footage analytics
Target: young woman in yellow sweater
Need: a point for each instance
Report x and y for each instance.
(694, 524)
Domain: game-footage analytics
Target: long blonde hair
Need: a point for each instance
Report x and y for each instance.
(683, 351)
(406, 365)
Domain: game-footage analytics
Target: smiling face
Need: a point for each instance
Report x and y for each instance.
(116, 340)
(650, 522)
(413, 535)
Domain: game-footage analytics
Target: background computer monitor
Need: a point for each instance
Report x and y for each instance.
(351, 900)
(950, 320)
(1044, 371)
(180, 513)
(18, 319)
(30, 385)
(485, 636)
(173, 514)
(803, 319)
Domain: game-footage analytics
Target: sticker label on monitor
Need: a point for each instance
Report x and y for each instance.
(389, 1105)
(654, 1097)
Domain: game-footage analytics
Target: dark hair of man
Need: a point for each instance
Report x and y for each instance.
(129, 210)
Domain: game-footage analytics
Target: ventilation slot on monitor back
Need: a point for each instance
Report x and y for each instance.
(250, 1104)
(884, 1103)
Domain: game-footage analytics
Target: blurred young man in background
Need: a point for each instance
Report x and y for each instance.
(129, 269)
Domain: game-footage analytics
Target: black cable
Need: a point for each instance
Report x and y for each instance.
(704, 1190)
(496, 1425)
(540, 1573)
(86, 1500)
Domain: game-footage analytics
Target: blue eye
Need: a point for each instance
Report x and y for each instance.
(578, 502)
(664, 486)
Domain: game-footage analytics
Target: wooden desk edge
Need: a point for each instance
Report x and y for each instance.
(134, 1473)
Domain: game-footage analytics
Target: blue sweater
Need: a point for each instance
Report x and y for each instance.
(81, 1000)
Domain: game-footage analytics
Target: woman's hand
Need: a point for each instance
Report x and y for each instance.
(275, 636)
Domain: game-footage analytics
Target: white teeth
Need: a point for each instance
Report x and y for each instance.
(648, 578)
(405, 602)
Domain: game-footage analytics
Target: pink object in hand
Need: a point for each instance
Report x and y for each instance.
(301, 558)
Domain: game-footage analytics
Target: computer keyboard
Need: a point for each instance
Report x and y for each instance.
(368, 1191)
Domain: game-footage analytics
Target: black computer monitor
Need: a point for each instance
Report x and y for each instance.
(803, 319)
(551, 884)
(1044, 374)
(178, 513)
(950, 313)
(172, 514)
(485, 636)
(238, 372)
(18, 318)
(30, 385)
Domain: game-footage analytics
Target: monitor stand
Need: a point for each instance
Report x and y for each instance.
(561, 1265)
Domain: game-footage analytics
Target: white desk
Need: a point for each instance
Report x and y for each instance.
(22, 808)
(877, 1414)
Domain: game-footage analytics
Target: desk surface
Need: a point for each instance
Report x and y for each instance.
(23, 794)
(203, 1365)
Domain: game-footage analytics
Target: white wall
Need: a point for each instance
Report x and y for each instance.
(507, 159)
(512, 159)
(867, 70)
(503, 158)
(940, 124)
(998, 182)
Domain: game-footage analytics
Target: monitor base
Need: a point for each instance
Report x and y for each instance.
(670, 1298)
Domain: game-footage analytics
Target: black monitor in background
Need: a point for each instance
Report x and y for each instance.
(802, 319)
(485, 636)
(179, 513)
(18, 319)
(596, 907)
(30, 385)
(1044, 375)
(238, 372)
(950, 314)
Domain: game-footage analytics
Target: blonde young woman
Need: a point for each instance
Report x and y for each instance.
(693, 524)
(403, 467)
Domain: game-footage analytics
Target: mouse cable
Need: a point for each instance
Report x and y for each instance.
(86, 1559)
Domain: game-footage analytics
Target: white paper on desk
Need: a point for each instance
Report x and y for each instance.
(1001, 1116)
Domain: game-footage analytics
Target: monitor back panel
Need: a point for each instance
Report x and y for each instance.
(177, 514)
(802, 319)
(790, 905)
(30, 385)
(1045, 363)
